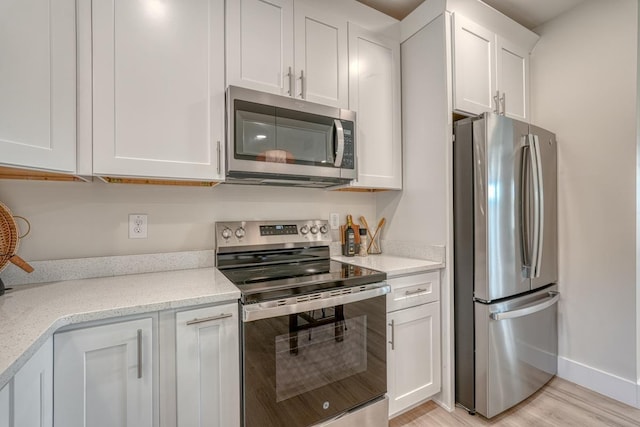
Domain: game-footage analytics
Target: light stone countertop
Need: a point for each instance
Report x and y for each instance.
(392, 265)
(30, 314)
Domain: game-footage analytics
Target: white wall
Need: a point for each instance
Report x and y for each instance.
(584, 89)
(75, 220)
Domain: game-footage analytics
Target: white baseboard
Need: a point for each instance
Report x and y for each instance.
(599, 381)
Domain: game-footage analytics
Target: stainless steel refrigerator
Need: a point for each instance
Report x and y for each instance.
(505, 261)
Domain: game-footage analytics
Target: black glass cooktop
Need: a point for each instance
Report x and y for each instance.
(275, 281)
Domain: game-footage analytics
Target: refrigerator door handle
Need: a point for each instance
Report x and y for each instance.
(535, 154)
(538, 188)
(528, 309)
(524, 208)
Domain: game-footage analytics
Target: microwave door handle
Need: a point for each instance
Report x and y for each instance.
(339, 141)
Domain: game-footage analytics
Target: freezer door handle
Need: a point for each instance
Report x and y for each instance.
(529, 308)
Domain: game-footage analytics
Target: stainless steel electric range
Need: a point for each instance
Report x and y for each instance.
(313, 331)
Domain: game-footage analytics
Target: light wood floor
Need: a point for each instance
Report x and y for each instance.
(559, 403)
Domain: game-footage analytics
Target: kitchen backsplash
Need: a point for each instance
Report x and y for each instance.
(85, 268)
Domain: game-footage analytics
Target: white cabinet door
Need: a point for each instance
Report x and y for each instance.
(474, 67)
(207, 363)
(33, 390)
(38, 84)
(158, 88)
(512, 76)
(104, 376)
(413, 360)
(260, 45)
(374, 94)
(490, 73)
(321, 65)
(5, 406)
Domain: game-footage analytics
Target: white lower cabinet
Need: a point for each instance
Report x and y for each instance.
(27, 400)
(413, 349)
(5, 406)
(103, 375)
(207, 367)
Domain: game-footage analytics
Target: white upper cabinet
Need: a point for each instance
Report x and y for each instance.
(490, 73)
(38, 84)
(474, 67)
(262, 53)
(512, 75)
(374, 94)
(321, 60)
(260, 45)
(158, 89)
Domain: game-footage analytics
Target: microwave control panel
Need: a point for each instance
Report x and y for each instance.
(348, 159)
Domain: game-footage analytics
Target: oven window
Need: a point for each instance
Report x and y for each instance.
(303, 368)
(270, 134)
(311, 356)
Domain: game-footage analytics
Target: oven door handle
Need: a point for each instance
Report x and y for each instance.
(253, 312)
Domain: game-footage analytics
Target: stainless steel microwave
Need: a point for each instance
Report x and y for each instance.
(277, 140)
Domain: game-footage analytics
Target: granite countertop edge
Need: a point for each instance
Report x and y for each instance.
(393, 265)
(31, 314)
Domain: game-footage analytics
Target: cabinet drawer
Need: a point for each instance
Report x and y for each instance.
(409, 291)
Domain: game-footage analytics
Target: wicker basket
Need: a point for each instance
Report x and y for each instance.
(10, 239)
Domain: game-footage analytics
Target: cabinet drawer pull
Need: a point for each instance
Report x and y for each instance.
(393, 333)
(417, 291)
(209, 319)
(139, 353)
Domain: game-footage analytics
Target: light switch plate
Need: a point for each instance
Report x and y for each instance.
(334, 221)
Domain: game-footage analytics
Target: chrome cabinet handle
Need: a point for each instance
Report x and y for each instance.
(393, 335)
(209, 319)
(291, 77)
(139, 353)
(303, 86)
(417, 291)
(496, 99)
(503, 102)
(218, 151)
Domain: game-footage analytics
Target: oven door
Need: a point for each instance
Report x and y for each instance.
(307, 362)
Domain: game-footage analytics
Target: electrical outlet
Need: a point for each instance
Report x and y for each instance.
(137, 226)
(334, 221)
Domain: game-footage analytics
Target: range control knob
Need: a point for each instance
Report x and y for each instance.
(314, 229)
(226, 233)
(240, 233)
(304, 229)
(324, 229)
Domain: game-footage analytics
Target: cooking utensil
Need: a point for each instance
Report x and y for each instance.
(10, 239)
(373, 239)
(363, 220)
